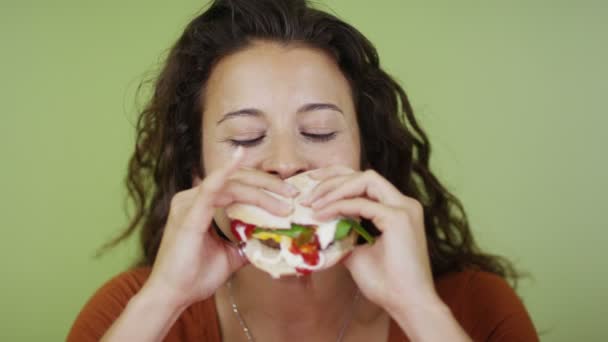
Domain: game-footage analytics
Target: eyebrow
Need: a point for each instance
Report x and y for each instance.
(309, 107)
(241, 112)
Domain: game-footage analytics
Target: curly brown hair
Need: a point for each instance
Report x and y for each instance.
(168, 144)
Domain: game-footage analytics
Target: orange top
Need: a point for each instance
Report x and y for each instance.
(483, 303)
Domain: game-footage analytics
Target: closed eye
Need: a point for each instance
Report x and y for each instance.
(256, 141)
(319, 137)
(247, 142)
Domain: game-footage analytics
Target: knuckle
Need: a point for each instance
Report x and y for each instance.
(416, 207)
(413, 210)
(204, 187)
(235, 177)
(358, 201)
(267, 202)
(229, 190)
(403, 216)
(370, 173)
(177, 205)
(176, 200)
(277, 203)
(244, 175)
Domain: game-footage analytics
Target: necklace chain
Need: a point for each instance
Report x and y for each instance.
(247, 331)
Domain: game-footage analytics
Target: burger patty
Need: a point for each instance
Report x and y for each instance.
(271, 243)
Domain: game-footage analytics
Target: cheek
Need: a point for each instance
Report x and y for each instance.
(349, 149)
(345, 152)
(214, 154)
(207, 147)
(218, 154)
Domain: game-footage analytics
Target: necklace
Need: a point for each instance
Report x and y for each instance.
(247, 331)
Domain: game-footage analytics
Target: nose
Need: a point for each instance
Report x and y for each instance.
(285, 159)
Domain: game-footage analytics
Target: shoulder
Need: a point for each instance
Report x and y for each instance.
(472, 284)
(486, 306)
(197, 323)
(106, 304)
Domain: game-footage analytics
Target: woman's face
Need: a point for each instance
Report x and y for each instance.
(289, 106)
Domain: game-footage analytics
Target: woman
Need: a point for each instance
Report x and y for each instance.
(255, 92)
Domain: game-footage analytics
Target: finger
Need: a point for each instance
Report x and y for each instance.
(330, 171)
(243, 193)
(236, 257)
(379, 214)
(367, 184)
(216, 180)
(323, 174)
(264, 180)
(353, 261)
(323, 188)
(201, 212)
(234, 253)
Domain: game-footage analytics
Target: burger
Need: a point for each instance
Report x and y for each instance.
(296, 244)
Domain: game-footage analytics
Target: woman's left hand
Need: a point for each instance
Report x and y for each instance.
(394, 271)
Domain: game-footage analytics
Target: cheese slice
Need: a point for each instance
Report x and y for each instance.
(267, 236)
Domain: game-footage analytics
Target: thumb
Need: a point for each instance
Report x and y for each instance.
(234, 253)
(356, 257)
(236, 256)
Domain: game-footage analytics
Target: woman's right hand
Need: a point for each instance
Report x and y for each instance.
(192, 261)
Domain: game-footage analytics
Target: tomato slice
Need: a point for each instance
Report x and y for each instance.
(249, 228)
(308, 251)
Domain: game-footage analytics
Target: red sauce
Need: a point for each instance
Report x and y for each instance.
(308, 251)
(249, 228)
(311, 258)
(303, 271)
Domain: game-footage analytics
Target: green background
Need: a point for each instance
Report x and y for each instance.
(512, 94)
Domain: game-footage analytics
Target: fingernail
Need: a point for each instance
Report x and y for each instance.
(292, 190)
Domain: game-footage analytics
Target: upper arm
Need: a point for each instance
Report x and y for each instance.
(104, 307)
(495, 311)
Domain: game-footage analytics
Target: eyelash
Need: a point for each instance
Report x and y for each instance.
(258, 140)
(246, 143)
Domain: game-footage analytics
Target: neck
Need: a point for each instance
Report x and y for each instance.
(294, 306)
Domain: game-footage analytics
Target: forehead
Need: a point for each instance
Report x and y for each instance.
(275, 78)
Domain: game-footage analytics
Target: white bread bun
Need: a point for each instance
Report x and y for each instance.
(259, 217)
